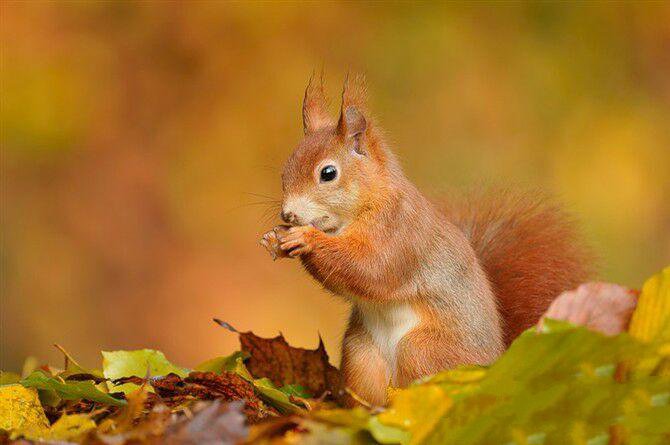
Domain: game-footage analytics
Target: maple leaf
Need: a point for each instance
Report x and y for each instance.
(558, 384)
(275, 359)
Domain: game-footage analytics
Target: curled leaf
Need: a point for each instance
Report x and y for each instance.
(220, 364)
(651, 319)
(276, 397)
(139, 363)
(295, 390)
(602, 307)
(69, 390)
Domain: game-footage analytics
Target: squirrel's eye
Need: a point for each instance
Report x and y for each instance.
(328, 173)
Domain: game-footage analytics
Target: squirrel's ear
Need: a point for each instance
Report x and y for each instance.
(315, 106)
(352, 123)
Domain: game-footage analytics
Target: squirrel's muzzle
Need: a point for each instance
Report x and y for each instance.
(288, 217)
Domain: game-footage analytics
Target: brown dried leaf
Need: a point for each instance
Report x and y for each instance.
(208, 423)
(125, 418)
(272, 430)
(215, 424)
(97, 411)
(275, 359)
(227, 386)
(602, 307)
(147, 429)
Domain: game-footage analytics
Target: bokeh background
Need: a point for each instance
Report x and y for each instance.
(142, 142)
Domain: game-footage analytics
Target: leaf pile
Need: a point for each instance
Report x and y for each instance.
(563, 385)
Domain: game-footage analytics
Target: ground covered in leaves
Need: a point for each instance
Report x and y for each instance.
(562, 385)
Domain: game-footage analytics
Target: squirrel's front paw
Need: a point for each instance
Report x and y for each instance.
(297, 241)
(270, 240)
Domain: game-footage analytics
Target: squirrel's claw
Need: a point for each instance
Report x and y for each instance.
(270, 241)
(264, 242)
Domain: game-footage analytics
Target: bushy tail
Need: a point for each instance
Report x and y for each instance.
(529, 248)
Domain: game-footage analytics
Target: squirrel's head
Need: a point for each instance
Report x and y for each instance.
(329, 178)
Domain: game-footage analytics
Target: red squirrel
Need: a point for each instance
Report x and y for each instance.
(431, 285)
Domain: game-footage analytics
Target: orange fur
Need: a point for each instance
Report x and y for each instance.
(362, 363)
(431, 287)
(528, 247)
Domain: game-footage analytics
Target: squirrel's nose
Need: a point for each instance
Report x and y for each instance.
(288, 217)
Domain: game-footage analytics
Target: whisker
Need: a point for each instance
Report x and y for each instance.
(268, 220)
(268, 216)
(325, 280)
(272, 205)
(259, 195)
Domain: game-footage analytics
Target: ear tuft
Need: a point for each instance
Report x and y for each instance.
(315, 106)
(353, 122)
(355, 91)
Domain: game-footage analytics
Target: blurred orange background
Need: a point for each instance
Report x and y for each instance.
(140, 142)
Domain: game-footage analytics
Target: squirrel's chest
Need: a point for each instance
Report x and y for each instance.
(387, 324)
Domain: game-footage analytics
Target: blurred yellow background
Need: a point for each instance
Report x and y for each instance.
(139, 141)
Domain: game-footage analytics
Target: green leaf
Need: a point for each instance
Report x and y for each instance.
(139, 363)
(296, 390)
(552, 388)
(69, 390)
(8, 378)
(275, 396)
(550, 325)
(357, 420)
(318, 433)
(221, 364)
(387, 434)
(459, 382)
(567, 385)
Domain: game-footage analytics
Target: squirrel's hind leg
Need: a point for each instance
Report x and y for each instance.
(365, 370)
(427, 350)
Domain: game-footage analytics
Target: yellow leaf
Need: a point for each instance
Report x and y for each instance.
(416, 410)
(355, 418)
(125, 418)
(68, 428)
(20, 408)
(462, 375)
(391, 391)
(652, 315)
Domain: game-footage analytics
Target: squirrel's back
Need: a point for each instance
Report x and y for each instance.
(528, 247)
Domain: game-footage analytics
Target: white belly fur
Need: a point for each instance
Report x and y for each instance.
(387, 324)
